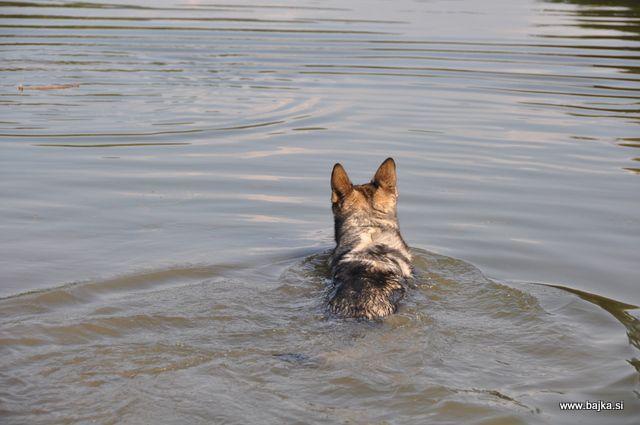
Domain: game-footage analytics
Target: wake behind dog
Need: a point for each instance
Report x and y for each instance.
(371, 263)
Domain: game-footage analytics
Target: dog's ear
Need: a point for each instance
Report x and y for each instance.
(340, 184)
(386, 175)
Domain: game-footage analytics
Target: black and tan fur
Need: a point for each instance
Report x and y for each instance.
(371, 262)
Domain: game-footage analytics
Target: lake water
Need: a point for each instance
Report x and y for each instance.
(165, 217)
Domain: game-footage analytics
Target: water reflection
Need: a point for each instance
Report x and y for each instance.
(605, 8)
(618, 310)
(608, 31)
(612, 20)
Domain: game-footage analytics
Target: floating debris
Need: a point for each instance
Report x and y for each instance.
(296, 358)
(50, 87)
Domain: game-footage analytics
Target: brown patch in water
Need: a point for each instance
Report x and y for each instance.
(49, 87)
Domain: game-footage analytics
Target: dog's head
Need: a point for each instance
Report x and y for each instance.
(374, 198)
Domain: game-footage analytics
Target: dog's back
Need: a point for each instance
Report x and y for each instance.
(371, 262)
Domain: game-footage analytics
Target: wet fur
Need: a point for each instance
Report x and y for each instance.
(371, 262)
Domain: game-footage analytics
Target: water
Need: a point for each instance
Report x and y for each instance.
(165, 219)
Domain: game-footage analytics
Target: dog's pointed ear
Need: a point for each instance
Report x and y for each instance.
(340, 184)
(386, 175)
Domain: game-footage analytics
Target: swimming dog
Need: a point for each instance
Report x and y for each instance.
(371, 263)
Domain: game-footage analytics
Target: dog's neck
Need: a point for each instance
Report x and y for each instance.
(357, 231)
(364, 239)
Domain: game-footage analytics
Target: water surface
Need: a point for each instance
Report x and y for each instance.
(164, 176)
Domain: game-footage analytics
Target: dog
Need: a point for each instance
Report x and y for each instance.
(371, 263)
